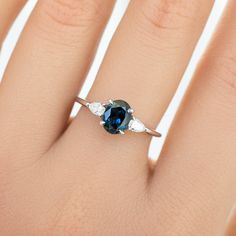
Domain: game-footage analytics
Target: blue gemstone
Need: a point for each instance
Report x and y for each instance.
(116, 117)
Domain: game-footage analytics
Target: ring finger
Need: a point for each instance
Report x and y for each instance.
(144, 64)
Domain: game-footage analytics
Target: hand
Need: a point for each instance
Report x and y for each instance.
(60, 179)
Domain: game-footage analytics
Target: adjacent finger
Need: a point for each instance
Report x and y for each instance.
(47, 69)
(197, 169)
(8, 12)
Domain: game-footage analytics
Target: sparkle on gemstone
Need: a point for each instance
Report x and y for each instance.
(136, 125)
(96, 108)
(116, 117)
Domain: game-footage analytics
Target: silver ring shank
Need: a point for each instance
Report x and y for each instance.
(153, 133)
(82, 101)
(147, 130)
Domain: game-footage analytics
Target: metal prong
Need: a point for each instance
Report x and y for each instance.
(130, 111)
(111, 101)
(102, 123)
(122, 132)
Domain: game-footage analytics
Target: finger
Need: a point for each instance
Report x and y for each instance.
(47, 69)
(151, 39)
(197, 169)
(193, 187)
(141, 65)
(231, 224)
(8, 12)
(112, 168)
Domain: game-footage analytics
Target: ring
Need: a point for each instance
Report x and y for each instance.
(117, 117)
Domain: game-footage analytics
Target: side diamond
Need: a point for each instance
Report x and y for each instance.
(96, 108)
(136, 125)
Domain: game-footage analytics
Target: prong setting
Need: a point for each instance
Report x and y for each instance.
(131, 111)
(102, 122)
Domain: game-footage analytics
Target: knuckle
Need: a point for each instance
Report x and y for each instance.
(72, 12)
(62, 22)
(169, 14)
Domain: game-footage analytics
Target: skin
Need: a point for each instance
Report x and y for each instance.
(8, 11)
(60, 179)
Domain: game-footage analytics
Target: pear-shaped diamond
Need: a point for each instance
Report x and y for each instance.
(97, 108)
(136, 125)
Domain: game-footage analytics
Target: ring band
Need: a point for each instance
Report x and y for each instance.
(117, 117)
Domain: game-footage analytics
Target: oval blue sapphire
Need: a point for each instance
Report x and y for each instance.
(116, 117)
